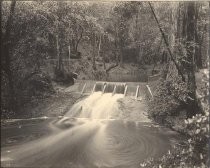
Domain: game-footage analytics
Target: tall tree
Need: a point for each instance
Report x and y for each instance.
(7, 56)
(192, 103)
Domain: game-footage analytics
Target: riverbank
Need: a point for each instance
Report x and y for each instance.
(56, 104)
(194, 153)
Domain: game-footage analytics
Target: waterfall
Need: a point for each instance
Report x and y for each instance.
(114, 91)
(96, 106)
(99, 86)
(120, 88)
(109, 88)
(126, 89)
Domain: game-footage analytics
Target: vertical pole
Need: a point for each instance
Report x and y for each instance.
(83, 89)
(104, 88)
(114, 91)
(137, 91)
(126, 87)
(94, 88)
(149, 91)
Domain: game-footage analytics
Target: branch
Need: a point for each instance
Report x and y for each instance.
(111, 67)
(167, 45)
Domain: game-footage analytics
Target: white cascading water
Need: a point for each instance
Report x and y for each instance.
(96, 106)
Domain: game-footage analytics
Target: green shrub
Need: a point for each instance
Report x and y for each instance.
(169, 99)
(64, 77)
(99, 75)
(32, 87)
(35, 85)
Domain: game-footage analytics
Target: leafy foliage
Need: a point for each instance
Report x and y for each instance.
(195, 153)
(169, 98)
(32, 87)
(99, 75)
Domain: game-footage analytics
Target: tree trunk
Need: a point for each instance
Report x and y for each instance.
(94, 48)
(1, 25)
(121, 56)
(99, 46)
(104, 64)
(7, 58)
(199, 61)
(69, 48)
(198, 57)
(58, 54)
(121, 40)
(184, 31)
(166, 67)
(80, 37)
(178, 34)
(192, 104)
(73, 45)
(116, 44)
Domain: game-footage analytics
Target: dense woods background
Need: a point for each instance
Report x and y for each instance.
(48, 41)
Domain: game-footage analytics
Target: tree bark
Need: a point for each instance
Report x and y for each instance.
(80, 37)
(7, 57)
(58, 54)
(99, 46)
(166, 67)
(198, 56)
(192, 104)
(121, 56)
(94, 54)
(116, 45)
(1, 26)
(121, 41)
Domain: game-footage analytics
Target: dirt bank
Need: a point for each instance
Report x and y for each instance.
(56, 104)
(133, 110)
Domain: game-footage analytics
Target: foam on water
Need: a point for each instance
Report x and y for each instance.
(96, 106)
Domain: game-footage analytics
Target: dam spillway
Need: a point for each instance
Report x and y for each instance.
(131, 89)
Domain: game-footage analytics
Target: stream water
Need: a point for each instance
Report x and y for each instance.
(88, 136)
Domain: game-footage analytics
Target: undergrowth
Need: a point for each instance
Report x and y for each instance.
(168, 101)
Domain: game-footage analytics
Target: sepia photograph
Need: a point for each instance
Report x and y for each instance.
(105, 84)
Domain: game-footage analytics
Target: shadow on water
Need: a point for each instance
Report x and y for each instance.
(87, 136)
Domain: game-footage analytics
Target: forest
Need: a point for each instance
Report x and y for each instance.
(53, 43)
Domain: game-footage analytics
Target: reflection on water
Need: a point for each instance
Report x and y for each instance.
(88, 136)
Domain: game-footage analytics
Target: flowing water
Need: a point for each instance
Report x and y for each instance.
(89, 135)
